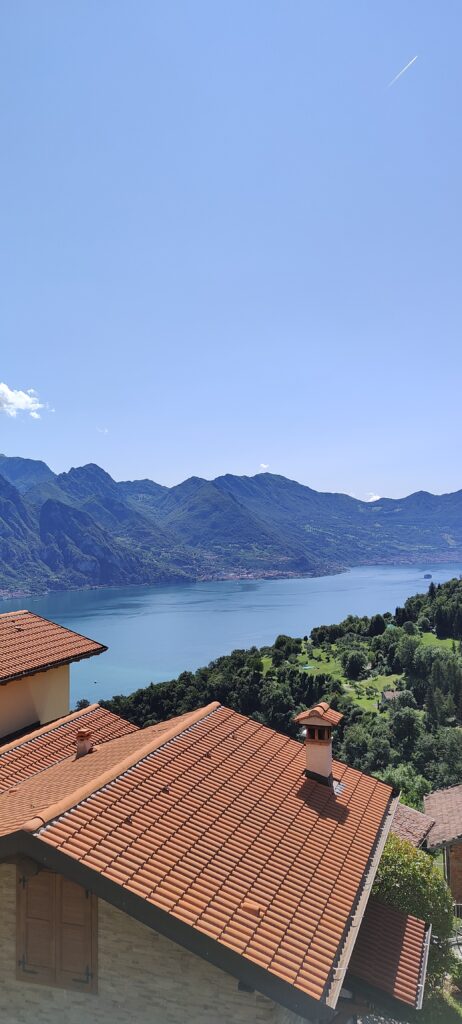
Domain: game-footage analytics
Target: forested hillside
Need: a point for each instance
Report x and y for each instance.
(413, 740)
(82, 528)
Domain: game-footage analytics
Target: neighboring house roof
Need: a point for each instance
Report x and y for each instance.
(445, 806)
(30, 643)
(206, 829)
(321, 710)
(36, 751)
(411, 824)
(390, 694)
(391, 952)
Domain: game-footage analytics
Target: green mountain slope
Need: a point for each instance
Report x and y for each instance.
(24, 473)
(82, 528)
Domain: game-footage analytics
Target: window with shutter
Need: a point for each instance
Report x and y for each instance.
(35, 927)
(56, 932)
(76, 945)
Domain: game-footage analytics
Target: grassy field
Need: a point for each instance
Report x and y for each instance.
(365, 693)
(430, 638)
(439, 1010)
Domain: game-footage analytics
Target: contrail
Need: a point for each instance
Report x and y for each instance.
(395, 79)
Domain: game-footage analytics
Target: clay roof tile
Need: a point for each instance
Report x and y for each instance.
(214, 821)
(30, 644)
(445, 807)
(321, 710)
(411, 825)
(391, 952)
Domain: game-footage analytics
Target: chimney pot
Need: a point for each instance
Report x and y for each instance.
(83, 742)
(317, 725)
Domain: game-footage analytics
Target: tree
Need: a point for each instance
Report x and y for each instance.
(277, 705)
(377, 625)
(412, 787)
(354, 664)
(409, 880)
(405, 699)
(405, 652)
(405, 728)
(355, 747)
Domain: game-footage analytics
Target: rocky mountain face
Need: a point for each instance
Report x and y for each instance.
(82, 528)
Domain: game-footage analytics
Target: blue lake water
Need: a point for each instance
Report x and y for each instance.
(154, 633)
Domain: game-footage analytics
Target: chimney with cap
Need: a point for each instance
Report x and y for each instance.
(317, 725)
(83, 743)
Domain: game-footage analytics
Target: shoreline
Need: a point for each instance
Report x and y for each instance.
(231, 577)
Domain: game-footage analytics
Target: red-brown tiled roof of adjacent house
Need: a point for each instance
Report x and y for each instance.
(39, 750)
(29, 644)
(445, 807)
(214, 824)
(391, 952)
(411, 824)
(71, 779)
(321, 710)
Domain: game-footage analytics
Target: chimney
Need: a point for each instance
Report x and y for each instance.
(83, 742)
(317, 725)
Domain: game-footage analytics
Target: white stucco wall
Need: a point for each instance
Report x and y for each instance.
(38, 698)
(319, 757)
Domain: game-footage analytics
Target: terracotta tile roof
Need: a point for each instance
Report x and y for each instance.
(411, 824)
(39, 750)
(29, 643)
(322, 710)
(390, 694)
(445, 807)
(214, 822)
(69, 779)
(391, 952)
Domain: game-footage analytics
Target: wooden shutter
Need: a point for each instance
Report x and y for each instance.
(56, 932)
(75, 936)
(35, 927)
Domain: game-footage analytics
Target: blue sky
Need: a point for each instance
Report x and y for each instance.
(226, 243)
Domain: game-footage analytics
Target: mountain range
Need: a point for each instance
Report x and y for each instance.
(82, 528)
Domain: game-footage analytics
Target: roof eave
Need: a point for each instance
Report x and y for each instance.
(351, 935)
(440, 844)
(423, 967)
(208, 949)
(4, 680)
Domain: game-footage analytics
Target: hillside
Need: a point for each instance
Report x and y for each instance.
(82, 528)
(413, 740)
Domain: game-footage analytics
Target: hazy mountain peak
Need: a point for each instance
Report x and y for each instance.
(83, 528)
(24, 473)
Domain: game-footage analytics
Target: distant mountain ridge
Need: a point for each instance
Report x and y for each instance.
(82, 528)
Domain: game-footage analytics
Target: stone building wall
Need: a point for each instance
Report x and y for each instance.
(143, 978)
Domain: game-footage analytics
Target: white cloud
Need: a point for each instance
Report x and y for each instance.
(370, 496)
(102, 430)
(13, 401)
(264, 465)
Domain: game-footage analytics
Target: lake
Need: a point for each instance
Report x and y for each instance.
(154, 633)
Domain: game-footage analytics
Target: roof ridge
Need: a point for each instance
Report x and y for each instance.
(48, 728)
(98, 783)
(19, 611)
(443, 789)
